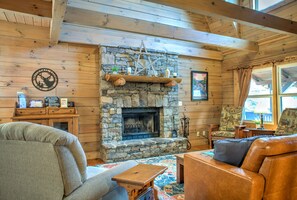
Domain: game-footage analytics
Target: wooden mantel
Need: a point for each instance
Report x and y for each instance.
(119, 80)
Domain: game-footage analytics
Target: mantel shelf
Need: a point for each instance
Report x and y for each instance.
(119, 80)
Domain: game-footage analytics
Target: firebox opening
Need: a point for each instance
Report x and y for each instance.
(140, 123)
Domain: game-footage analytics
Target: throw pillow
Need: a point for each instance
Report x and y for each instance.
(233, 151)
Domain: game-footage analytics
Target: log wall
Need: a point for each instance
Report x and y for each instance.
(24, 49)
(201, 113)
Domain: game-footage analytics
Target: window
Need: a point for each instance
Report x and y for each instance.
(263, 4)
(287, 81)
(232, 1)
(263, 98)
(260, 96)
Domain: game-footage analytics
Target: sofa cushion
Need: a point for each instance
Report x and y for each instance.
(233, 151)
(229, 134)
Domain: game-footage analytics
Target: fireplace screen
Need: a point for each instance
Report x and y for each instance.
(140, 123)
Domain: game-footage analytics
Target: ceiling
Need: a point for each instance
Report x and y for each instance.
(187, 27)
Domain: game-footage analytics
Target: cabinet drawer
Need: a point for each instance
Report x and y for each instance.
(61, 111)
(30, 111)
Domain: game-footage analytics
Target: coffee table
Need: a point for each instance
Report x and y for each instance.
(179, 168)
(139, 178)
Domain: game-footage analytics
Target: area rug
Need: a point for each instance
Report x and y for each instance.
(166, 184)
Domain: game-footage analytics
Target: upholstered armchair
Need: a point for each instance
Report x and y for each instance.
(268, 172)
(41, 162)
(288, 122)
(229, 127)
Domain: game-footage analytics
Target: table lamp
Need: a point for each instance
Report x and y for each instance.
(261, 109)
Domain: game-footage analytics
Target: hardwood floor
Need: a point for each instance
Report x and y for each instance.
(94, 162)
(199, 148)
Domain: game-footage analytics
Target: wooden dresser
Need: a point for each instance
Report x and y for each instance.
(62, 118)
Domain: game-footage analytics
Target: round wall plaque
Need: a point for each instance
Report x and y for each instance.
(44, 79)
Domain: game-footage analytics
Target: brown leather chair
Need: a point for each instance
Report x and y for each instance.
(268, 172)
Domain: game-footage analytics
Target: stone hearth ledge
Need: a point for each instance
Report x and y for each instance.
(142, 148)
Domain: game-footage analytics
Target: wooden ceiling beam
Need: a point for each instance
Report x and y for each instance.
(96, 19)
(98, 36)
(219, 8)
(143, 10)
(58, 12)
(33, 7)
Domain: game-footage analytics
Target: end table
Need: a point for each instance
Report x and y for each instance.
(249, 132)
(137, 179)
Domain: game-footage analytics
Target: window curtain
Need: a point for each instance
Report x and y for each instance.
(244, 79)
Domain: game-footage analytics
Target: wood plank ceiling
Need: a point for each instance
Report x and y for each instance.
(200, 28)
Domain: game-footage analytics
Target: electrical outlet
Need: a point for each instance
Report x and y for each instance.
(198, 133)
(203, 133)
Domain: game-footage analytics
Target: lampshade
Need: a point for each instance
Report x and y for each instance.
(261, 108)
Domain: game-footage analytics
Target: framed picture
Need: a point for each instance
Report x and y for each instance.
(64, 102)
(52, 101)
(35, 103)
(199, 86)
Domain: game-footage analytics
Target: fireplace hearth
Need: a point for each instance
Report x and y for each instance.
(140, 123)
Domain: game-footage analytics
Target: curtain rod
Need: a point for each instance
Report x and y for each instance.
(288, 58)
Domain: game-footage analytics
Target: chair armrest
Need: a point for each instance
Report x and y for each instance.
(207, 178)
(96, 187)
(239, 131)
(213, 127)
(242, 126)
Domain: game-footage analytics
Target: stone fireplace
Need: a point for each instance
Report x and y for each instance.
(137, 119)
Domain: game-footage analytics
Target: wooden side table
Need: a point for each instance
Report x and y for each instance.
(62, 118)
(137, 179)
(179, 168)
(249, 132)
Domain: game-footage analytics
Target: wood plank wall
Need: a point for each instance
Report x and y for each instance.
(201, 113)
(24, 49)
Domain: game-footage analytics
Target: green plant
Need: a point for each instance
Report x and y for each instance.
(257, 121)
(114, 69)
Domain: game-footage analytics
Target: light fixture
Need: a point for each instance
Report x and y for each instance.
(261, 109)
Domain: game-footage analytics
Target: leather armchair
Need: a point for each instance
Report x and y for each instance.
(268, 172)
(229, 127)
(41, 162)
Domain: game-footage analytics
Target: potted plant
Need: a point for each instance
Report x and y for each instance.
(114, 69)
(257, 123)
